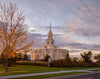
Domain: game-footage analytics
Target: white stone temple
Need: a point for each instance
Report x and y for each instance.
(50, 48)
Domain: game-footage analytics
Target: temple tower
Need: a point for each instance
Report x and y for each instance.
(50, 40)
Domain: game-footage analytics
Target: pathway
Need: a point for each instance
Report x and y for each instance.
(95, 75)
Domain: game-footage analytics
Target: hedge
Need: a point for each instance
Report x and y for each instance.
(71, 64)
(35, 63)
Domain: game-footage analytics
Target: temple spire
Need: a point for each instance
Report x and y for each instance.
(50, 32)
(50, 40)
(50, 25)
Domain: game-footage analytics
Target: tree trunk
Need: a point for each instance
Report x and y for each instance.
(6, 70)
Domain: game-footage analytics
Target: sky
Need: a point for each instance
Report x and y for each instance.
(75, 23)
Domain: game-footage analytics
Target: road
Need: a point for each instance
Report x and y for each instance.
(95, 75)
(91, 76)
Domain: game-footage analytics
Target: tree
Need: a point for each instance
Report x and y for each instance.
(68, 59)
(25, 57)
(97, 57)
(86, 57)
(75, 60)
(19, 56)
(13, 33)
(46, 57)
(2, 58)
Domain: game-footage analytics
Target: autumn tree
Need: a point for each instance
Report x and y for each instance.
(13, 33)
(19, 56)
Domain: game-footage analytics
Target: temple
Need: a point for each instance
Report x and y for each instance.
(50, 48)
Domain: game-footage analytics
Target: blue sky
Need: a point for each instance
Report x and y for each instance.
(75, 23)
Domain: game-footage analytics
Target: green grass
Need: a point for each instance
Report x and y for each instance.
(49, 75)
(26, 69)
(96, 70)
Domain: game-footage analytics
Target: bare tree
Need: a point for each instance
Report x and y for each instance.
(13, 33)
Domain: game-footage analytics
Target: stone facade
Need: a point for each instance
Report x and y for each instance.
(50, 48)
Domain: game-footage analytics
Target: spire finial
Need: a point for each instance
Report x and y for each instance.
(50, 25)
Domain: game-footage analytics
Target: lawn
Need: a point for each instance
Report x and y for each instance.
(96, 70)
(26, 69)
(49, 76)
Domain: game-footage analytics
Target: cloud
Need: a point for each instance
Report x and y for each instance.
(75, 46)
(39, 39)
(75, 23)
(87, 19)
